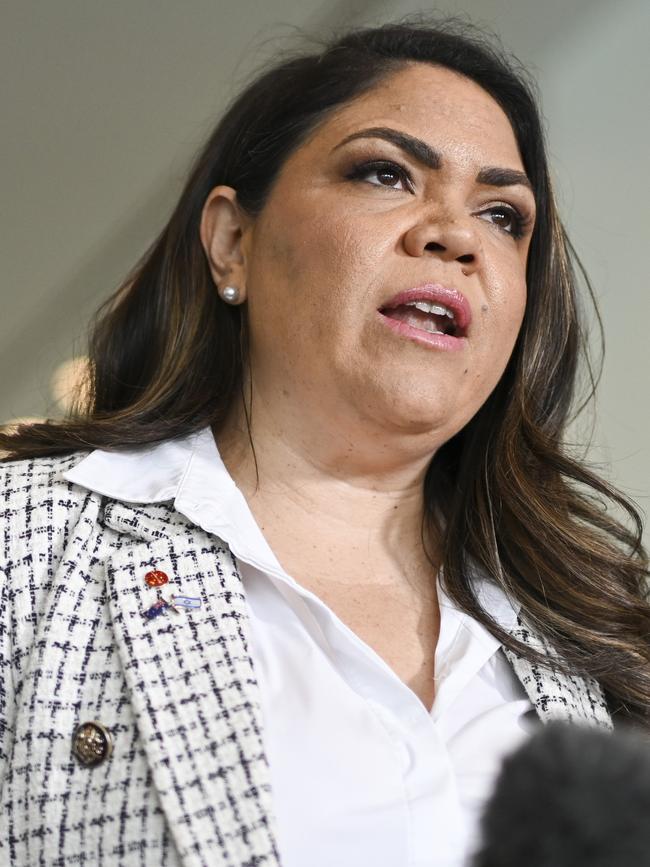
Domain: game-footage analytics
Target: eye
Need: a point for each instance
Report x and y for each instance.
(506, 218)
(381, 173)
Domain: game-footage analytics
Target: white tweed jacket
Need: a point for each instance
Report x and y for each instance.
(187, 782)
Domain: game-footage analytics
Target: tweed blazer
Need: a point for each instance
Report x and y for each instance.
(187, 783)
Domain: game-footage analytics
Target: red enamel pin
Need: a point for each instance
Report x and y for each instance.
(156, 578)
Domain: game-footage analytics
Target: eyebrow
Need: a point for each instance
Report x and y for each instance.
(492, 176)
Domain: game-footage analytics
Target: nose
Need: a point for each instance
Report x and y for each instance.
(447, 237)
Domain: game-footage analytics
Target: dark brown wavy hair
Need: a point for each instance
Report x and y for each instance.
(167, 357)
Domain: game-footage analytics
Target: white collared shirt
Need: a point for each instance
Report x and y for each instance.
(362, 775)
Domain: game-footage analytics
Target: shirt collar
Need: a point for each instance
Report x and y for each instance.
(190, 472)
(151, 474)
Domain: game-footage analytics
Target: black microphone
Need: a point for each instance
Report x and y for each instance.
(570, 797)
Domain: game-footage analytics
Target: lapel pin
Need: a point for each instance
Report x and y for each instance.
(185, 602)
(156, 578)
(156, 609)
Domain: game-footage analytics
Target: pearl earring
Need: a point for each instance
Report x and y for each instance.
(230, 294)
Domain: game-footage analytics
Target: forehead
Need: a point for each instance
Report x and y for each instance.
(433, 103)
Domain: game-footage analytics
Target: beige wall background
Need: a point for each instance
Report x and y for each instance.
(104, 104)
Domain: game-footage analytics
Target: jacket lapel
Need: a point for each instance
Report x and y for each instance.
(193, 687)
(555, 694)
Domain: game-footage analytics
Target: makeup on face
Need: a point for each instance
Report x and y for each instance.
(387, 270)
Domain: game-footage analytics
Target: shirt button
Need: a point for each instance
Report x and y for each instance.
(92, 743)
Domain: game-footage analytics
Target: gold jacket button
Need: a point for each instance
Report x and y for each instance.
(92, 743)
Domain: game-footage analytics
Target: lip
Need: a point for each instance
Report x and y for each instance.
(437, 294)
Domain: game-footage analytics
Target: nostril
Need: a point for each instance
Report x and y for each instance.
(435, 247)
(467, 259)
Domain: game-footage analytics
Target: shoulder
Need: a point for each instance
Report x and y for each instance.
(556, 692)
(33, 482)
(50, 531)
(35, 473)
(38, 505)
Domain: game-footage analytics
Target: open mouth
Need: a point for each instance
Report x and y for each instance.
(432, 314)
(428, 316)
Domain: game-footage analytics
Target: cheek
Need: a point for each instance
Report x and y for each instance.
(309, 263)
(330, 248)
(500, 318)
(505, 296)
(504, 318)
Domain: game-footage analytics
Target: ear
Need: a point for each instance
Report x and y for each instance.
(222, 228)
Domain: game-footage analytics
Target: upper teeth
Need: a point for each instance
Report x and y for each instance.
(430, 307)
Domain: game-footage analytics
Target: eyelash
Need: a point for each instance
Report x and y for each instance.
(361, 171)
(520, 223)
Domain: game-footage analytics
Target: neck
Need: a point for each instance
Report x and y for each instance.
(328, 487)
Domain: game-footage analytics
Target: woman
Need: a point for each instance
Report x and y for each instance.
(314, 559)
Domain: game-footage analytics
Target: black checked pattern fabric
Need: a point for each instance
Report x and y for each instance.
(188, 781)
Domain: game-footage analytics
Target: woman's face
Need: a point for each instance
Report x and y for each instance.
(417, 187)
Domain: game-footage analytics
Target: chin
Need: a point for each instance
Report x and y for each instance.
(419, 418)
